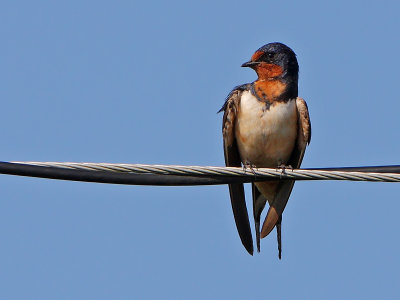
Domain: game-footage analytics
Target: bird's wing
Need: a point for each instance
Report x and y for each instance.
(304, 134)
(232, 159)
(285, 187)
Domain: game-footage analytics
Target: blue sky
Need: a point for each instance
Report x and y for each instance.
(141, 82)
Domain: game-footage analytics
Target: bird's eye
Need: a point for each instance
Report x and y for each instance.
(270, 55)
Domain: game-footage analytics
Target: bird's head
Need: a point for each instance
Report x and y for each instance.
(274, 61)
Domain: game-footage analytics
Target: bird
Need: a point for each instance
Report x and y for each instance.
(265, 125)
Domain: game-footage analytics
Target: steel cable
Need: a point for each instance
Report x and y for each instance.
(141, 174)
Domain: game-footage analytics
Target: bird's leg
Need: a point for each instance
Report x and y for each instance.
(283, 167)
(249, 165)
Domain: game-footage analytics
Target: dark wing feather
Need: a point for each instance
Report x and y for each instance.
(303, 136)
(232, 159)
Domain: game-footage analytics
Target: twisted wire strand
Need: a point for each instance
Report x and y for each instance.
(245, 175)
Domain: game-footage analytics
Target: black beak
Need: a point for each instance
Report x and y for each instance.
(250, 64)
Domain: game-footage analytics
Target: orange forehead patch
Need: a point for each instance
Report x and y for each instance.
(257, 55)
(268, 71)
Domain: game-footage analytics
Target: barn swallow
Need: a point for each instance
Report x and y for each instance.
(265, 124)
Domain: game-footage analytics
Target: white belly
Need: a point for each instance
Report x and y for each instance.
(265, 137)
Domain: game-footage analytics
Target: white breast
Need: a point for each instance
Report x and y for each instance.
(265, 137)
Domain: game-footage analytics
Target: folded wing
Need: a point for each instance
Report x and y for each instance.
(232, 159)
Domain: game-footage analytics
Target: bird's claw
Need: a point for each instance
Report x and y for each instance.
(248, 165)
(283, 168)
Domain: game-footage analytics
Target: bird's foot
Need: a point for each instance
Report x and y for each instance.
(249, 165)
(283, 168)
